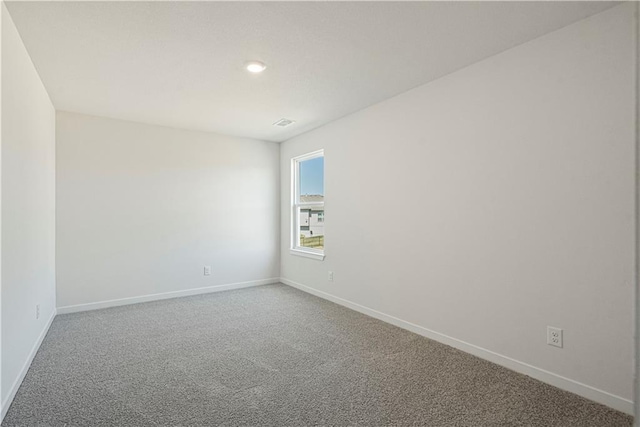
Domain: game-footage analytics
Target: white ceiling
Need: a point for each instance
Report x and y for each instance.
(180, 64)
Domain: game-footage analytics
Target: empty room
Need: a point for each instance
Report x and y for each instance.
(319, 213)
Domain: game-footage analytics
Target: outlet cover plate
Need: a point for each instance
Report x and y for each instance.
(554, 336)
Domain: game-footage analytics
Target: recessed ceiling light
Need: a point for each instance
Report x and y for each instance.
(255, 66)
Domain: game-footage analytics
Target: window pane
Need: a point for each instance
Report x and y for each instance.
(312, 227)
(312, 180)
(309, 202)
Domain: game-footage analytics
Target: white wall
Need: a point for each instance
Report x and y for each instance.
(28, 209)
(142, 209)
(2, 12)
(637, 277)
(522, 170)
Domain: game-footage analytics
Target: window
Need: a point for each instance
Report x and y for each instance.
(307, 237)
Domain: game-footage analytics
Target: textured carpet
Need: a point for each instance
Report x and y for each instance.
(272, 356)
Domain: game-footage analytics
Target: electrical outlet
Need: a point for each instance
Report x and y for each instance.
(37, 311)
(554, 336)
(207, 270)
(330, 276)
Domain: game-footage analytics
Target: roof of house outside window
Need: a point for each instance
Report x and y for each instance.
(307, 198)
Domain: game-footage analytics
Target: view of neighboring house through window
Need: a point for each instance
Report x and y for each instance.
(308, 204)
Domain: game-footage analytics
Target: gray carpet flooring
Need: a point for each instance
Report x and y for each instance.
(272, 356)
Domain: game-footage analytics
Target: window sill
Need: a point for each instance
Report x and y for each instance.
(307, 254)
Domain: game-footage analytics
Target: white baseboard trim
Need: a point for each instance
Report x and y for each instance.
(23, 372)
(584, 390)
(165, 295)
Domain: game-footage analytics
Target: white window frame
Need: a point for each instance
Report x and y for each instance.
(297, 205)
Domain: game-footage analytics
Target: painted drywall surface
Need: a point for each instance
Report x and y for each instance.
(28, 205)
(637, 277)
(142, 209)
(2, 8)
(493, 202)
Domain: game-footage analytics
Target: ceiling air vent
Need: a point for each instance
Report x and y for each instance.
(283, 123)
